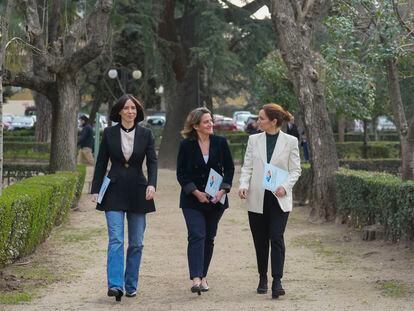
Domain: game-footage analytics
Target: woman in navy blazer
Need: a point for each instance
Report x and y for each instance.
(129, 193)
(199, 152)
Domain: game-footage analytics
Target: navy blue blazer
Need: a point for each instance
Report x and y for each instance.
(192, 171)
(128, 185)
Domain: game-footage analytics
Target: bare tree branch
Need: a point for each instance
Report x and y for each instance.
(403, 24)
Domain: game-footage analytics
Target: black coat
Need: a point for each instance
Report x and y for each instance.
(192, 171)
(128, 185)
(293, 130)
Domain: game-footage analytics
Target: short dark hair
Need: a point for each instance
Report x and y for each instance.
(84, 118)
(119, 105)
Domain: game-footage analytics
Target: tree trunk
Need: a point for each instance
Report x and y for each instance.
(43, 118)
(64, 125)
(182, 102)
(4, 32)
(406, 132)
(341, 128)
(293, 25)
(365, 140)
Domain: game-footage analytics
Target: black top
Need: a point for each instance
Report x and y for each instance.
(86, 137)
(193, 171)
(292, 129)
(270, 145)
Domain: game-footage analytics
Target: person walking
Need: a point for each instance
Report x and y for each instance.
(85, 142)
(268, 211)
(199, 152)
(129, 193)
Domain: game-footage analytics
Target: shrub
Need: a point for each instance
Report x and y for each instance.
(391, 166)
(30, 208)
(367, 198)
(375, 150)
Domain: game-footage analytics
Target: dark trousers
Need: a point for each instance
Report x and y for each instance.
(269, 226)
(202, 229)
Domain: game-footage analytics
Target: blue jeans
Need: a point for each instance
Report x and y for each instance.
(117, 277)
(202, 229)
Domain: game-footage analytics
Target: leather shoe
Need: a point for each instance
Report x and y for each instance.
(277, 289)
(262, 287)
(115, 292)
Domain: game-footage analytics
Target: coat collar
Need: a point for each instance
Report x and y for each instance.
(116, 130)
(280, 146)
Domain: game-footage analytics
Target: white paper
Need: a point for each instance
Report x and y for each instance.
(105, 184)
(273, 177)
(213, 185)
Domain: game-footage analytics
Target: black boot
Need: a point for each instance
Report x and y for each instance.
(262, 287)
(277, 289)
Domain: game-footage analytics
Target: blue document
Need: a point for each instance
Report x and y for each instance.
(105, 184)
(213, 185)
(273, 177)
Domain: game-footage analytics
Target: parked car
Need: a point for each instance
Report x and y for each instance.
(236, 113)
(241, 120)
(7, 120)
(22, 123)
(156, 120)
(225, 124)
(385, 124)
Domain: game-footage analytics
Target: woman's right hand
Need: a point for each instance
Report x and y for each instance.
(201, 196)
(94, 197)
(243, 193)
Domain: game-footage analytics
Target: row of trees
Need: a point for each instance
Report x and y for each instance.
(201, 49)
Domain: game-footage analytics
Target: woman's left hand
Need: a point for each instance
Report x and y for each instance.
(149, 195)
(280, 192)
(218, 196)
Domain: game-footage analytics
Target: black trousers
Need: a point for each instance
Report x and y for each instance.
(202, 229)
(268, 228)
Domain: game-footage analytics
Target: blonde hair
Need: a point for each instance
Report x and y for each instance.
(194, 118)
(275, 111)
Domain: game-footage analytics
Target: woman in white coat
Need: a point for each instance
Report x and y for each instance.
(269, 211)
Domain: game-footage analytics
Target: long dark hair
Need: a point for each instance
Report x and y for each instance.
(119, 105)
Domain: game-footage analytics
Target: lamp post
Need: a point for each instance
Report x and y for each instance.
(160, 91)
(113, 74)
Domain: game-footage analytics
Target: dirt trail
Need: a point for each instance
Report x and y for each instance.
(327, 266)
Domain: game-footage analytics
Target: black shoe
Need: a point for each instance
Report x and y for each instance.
(115, 292)
(277, 289)
(196, 289)
(262, 287)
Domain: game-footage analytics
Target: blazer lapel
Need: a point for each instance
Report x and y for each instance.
(280, 146)
(261, 143)
(117, 142)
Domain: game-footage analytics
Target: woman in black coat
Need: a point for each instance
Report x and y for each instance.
(199, 152)
(129, 193)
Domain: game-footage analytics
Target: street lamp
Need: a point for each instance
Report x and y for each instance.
(113, 74)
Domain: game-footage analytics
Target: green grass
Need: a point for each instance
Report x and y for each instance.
(13, 298)
(393, 288)
(81, 235)
(315, 243)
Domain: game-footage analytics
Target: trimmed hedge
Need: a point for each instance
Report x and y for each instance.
(367, 198)
(26, 145)
(20, 138)
(375, 150)
(382, 136)
(391, 166)
(29, 209)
